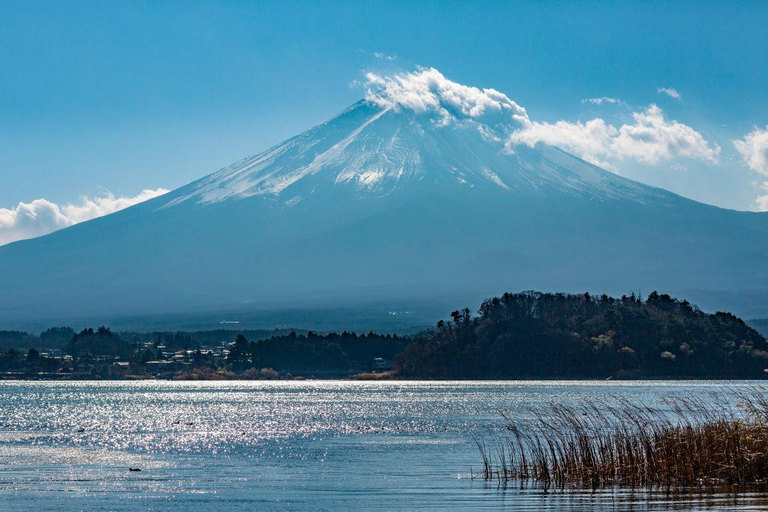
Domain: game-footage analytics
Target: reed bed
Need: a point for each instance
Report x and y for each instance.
(718, 439)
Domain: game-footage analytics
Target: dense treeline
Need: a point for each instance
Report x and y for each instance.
(17, 340)
(296, 352)
(186, 340)
(60, 337)
(102, 353)
(533, 334)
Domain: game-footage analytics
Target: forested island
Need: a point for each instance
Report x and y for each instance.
(515, 336)
(543, 335)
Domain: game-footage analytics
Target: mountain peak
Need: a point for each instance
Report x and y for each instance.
(415, 130)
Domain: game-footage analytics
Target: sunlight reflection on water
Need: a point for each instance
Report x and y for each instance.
(286, 445)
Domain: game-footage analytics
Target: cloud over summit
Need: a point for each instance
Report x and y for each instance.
(649, 138)
(428, 91)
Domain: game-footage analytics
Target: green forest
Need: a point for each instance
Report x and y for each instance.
(545, 335)
(313, 352)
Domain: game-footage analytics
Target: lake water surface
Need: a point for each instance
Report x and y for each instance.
(317, 445)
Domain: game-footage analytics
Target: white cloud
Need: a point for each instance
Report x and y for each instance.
(761, 203)
(652, 138)
(384, 56)
(428, 91)
(669, 91)
(753, 149)
(590, 141)
(604, 99)
(40, 217)
(649, 139)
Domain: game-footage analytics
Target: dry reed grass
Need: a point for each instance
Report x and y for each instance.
(718, 439)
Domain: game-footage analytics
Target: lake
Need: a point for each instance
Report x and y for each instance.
(286, 445)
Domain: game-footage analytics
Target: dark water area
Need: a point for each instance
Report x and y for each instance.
(315, 445)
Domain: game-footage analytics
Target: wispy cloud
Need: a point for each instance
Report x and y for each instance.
(384, 56)
(604, 99)
(669, 91)
(40, 217)
(753, 148)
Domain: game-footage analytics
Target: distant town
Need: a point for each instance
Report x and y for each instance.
(62, 353)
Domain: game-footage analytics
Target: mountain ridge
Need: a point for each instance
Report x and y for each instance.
(348, 158)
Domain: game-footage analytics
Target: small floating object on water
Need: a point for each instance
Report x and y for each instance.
(80, 430)
(190, 423)
(134, 469)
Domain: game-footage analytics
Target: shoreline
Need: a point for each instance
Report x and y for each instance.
(356, 378)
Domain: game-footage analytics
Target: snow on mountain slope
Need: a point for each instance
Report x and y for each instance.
(438, 139)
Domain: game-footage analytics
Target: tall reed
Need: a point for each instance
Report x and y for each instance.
(721, 438)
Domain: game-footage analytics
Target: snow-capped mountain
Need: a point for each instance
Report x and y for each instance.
(371, 151)
(414, 192)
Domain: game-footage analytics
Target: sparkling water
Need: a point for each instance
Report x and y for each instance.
(285, 445)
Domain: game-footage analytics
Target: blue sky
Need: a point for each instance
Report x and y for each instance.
(125, 97)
